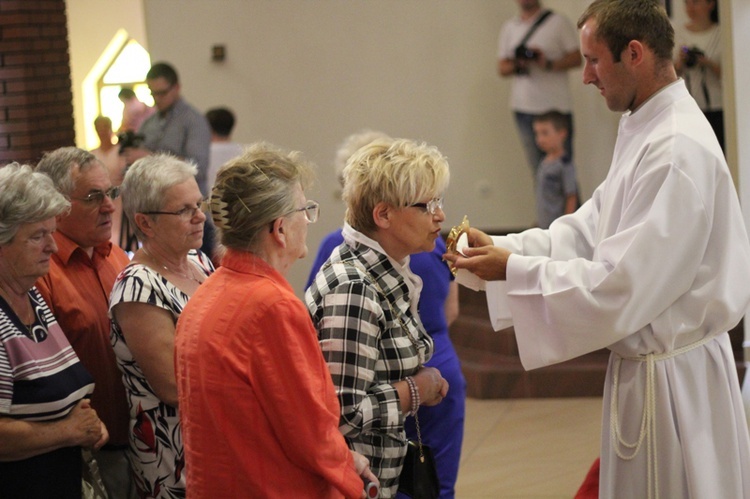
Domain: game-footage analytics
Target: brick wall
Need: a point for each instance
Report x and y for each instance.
(36, 103)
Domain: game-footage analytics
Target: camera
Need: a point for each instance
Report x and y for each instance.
(691, 55)
(523, 55)
(129, 138)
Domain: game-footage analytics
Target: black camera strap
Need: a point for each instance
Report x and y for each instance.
(534, 26)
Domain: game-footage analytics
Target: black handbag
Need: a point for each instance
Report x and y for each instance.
(419, 478)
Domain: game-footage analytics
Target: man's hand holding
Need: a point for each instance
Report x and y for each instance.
(481, 258)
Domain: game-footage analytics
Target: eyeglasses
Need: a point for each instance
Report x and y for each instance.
(97, 197)
(431, 206)
(161, 93)
(187, 213)
(312, 210)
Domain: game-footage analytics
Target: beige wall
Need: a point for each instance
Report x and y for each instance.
(91, 26)
(304, 74)
(739, 117)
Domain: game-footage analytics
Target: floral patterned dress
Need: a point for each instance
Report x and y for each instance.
(156, 455)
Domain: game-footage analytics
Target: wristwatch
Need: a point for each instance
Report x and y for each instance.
(548, 65)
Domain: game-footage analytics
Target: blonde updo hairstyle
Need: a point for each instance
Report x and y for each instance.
(253, 190)
(399, 172)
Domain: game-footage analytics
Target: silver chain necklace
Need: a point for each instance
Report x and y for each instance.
(191, 264)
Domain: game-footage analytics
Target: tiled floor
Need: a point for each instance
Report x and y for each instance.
(528, 448)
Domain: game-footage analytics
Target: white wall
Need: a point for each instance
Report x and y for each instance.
(305, 74)
(91, 26)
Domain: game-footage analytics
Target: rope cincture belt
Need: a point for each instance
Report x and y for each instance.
(648, 420)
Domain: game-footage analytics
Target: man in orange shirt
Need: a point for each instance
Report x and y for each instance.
(77, 288)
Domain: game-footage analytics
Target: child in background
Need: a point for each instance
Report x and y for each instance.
(556, 188)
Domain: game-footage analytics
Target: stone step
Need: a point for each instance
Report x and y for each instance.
(492, 368)
(491, 376)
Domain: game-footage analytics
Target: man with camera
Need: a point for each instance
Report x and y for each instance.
(697, 59)
(536, 49)
(176, 128)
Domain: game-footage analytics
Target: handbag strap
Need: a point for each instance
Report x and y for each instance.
(397, 314)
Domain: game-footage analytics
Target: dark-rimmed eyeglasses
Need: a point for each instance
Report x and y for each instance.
(186, 213)
(311, 209)
(431, 206)
(161, 93)
(97, 197)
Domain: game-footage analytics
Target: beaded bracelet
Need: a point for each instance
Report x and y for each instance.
(414, 395)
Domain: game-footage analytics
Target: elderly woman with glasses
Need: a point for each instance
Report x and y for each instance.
(164, 205)
(45, 415)
(441, 426)
(259, 411)
(364, 299)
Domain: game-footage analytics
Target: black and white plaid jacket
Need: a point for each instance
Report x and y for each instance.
(352, 302)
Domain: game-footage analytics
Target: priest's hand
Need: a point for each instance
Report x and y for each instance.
(486, 262)
(478, 238)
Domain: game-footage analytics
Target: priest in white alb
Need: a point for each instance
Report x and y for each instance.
(655, 267)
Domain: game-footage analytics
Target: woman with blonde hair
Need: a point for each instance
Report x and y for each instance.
(364, 299)
(441, 426)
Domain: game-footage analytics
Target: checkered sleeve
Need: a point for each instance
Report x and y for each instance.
(349, 331)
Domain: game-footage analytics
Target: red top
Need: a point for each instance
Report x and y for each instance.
(258, 408)
(77, 291)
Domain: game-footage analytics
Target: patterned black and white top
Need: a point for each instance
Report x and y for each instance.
(353, 302)
(157, 455)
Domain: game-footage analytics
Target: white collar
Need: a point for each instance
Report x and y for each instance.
(413, 281)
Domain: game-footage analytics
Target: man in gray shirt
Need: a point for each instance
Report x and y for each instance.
(177, 127)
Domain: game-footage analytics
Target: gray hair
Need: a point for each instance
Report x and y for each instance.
(352, 144)
(147, 180)
(26, 197)
(59, 164)
(399, 172)
(253, 190)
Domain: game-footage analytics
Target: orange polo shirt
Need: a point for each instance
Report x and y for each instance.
(77, 291)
